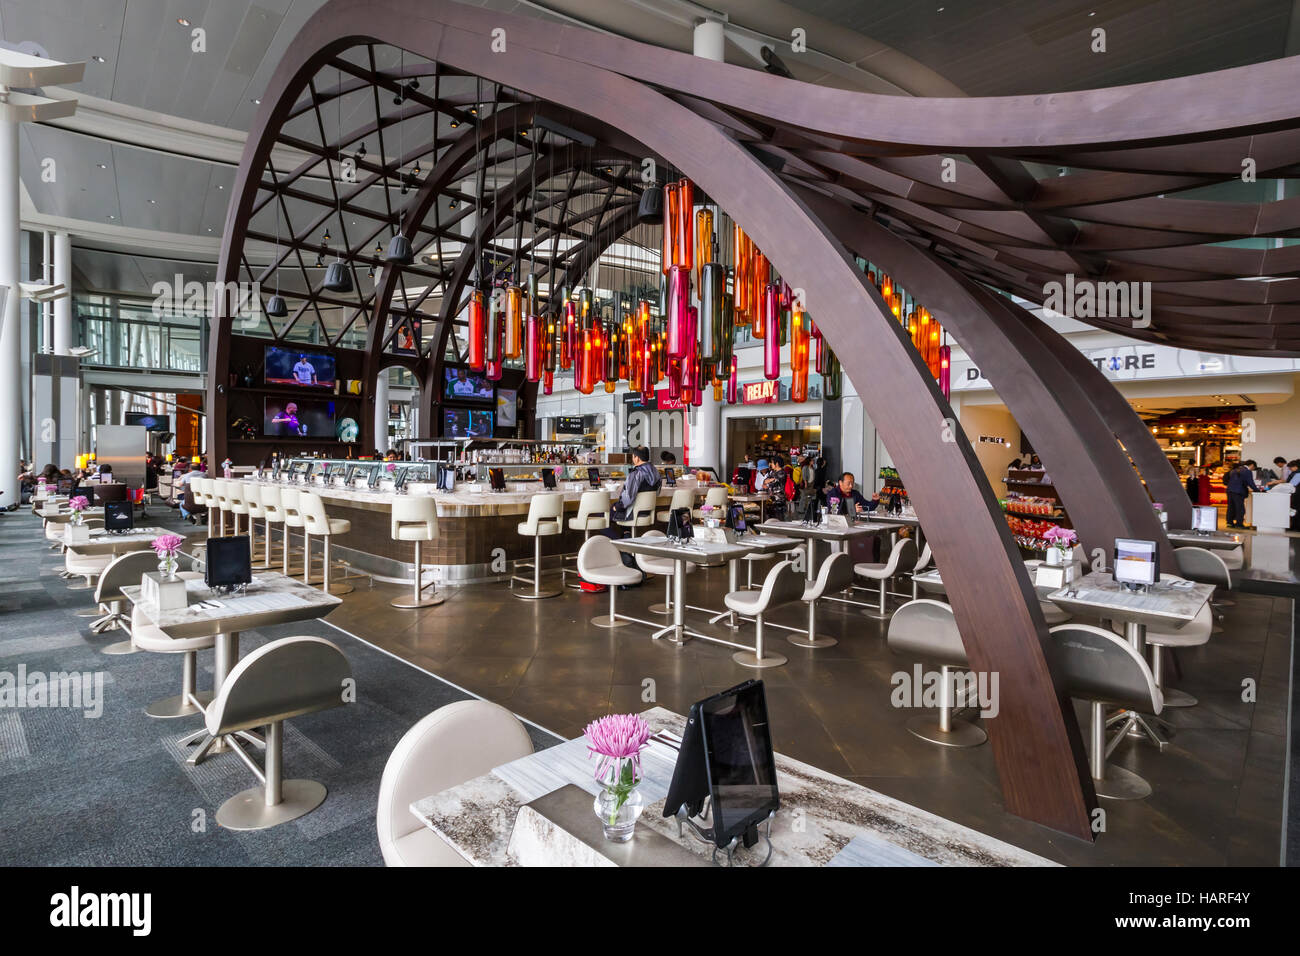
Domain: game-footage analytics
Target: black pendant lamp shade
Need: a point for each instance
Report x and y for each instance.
(337, 278)
(276, 307)
(400, 251)
(651, 209)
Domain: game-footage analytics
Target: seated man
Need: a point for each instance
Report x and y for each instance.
(642, 476)
(848, 496)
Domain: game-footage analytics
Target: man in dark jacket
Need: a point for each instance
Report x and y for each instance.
(642, 476)
(1239, 482)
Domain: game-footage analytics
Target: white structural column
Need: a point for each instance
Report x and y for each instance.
(11, 382)
(705, 439)
(63, 306)
(381, 411)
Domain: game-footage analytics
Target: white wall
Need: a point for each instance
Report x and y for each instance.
(994, 421)
(1277, 431)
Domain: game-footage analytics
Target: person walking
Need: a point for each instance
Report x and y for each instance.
(1239, 482)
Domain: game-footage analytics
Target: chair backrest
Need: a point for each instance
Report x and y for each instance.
(289, 506)
(1094, 664)
(597, 552)
(927, 629)
(415, 509)
(548, 507)
(717, 497)
(312, 509)
(783, 585)
(220, 493)
(1203, 565)
(902, 558)
(279, 680)
(272, 509)
(924, 560)
(455, 743)
(682, 498)
(643, 509)
(252, 495)
(592, 505)
(835, 574)
(124, 571)
(235, 497)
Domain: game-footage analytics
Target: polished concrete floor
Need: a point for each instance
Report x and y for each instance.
(1218, 786)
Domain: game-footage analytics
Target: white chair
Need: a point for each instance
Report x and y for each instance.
(600, 563)
(927, 629)
(902, 558)
(88, 566)
(783, 585)
(147, 636)
(221, 496)
(1206, 567)
(642, 512)
(292, 519)
(593, 515)
(665, 568)
(450, 746)
(415, 518)
(317, 522)
(251, 495)
(238, 506)
(123, 571)
(285, 678)
(682, 498)
(203, 492)
(922, 564)
(834, 576)
(273, 514)
(545, 518)
(717, 498)
(1192, 634)
(1097, 666)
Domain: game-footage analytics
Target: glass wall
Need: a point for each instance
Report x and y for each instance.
(131, 333)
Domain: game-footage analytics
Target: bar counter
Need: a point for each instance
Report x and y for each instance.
(472, 525)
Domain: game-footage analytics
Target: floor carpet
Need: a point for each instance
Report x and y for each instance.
(111, 788)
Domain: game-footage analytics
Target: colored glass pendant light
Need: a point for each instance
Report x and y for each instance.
(477, 331)
(732, 387)
(713, 280)
(513, 339)
(772, 334)
(945, 371)
(679, 298)
(533, 348)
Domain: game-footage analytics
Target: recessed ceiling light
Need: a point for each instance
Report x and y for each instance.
(102, 165)
(219, 186)
(98, 59)
(153, 202)
(111, 216)
(183, 21)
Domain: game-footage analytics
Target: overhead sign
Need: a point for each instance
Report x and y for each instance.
(761, 393)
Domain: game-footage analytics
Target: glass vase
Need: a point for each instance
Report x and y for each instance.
(167, 567)
(619, 802)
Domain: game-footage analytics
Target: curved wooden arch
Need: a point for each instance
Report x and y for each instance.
(1035, 740)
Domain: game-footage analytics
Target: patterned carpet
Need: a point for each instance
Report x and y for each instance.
(113, 789)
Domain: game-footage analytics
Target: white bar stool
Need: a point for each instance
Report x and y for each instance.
(783, 585)
(682, 498)
(268, 497)
(643, 512)
(316, 521)
(252, 498)
(238, 505)
(545, 517)
(415, 518)
(593, 515)
(292, 519)
(717, 498)
(221, 494)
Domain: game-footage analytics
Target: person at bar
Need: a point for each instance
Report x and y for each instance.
(1239, 480)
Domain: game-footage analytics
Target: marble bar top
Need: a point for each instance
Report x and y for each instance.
(820, 816)
(800, 530)
(271, 598)
(1097, 592)
(1271, 565)
(1220, 540)
(451, 504)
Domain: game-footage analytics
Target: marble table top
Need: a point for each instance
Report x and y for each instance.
(271, 598)
(800, 530)
(766, 543)
(1097, 592)
(823, 819)
(697, 552)
(137, 539)
(1212, 539)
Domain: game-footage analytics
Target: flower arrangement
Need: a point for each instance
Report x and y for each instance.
(167, 546)
(617, 739)
(77, 505)
(1063, 539)
(390, 467)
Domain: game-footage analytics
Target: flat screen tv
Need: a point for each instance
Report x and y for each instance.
(298, 368)
(462, 385)
(466, 423)
(154, 423)
(304, 418)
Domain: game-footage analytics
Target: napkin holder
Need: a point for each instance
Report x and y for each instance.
(166, 594)
(1057, 575)
(76, 533)
(835, 522)
(716, 535)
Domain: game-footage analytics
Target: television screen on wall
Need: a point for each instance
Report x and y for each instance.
(294, 367)
(462, 385)
(466, 423)
(155, 423)
(304, 418)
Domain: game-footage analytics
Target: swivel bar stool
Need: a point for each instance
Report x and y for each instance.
(316, 521)
(273, 512)
(415, 519)
(238, 506)
(221, 494)
(643, 512)
(252, 498)
(292, 519)
(545, 517)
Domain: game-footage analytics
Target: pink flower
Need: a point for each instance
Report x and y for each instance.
(167, 544)
(390, 467)
(79, 503)
(616, 737)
